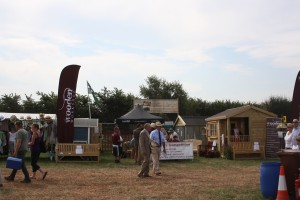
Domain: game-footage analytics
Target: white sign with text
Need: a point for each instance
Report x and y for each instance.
(177, 150)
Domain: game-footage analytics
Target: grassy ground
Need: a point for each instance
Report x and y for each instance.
(202, 178)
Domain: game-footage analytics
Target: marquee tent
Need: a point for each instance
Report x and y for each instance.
(138, 115)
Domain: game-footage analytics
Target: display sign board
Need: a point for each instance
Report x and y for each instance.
(158, 105)
(177, 150)
(272, 139)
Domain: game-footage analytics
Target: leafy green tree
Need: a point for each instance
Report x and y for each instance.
(81, 106)
(278, 105)
(29, 105)
(157, 88)
(47, 103)
(11, 103)
(112, 104)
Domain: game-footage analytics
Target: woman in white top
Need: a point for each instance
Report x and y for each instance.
(12, 139)
(288, 137)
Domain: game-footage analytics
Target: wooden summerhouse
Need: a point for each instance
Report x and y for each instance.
(246, 124)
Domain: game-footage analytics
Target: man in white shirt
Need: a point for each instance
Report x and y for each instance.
(158, 140)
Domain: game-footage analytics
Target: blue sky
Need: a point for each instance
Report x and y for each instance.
(218, 50)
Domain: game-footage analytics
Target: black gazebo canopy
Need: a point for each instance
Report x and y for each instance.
(138, 115)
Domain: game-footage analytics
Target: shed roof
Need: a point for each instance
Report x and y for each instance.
(190, 120)
(235, 111)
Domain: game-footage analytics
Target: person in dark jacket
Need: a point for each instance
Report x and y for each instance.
(34, 145)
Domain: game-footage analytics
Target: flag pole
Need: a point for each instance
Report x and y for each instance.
(89, 102)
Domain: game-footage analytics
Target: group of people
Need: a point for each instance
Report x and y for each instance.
(149, 140)
(292, 137)
(23, 140)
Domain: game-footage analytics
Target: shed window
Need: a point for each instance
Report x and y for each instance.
(212, 129)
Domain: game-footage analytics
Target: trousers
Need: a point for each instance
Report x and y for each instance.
(155, 154)
(21, 155)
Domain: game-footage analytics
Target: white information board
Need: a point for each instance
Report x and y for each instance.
(177, 150)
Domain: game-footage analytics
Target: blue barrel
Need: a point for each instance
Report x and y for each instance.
(269, 176)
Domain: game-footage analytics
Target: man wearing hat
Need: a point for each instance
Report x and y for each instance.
(295, 134)
(157, 139)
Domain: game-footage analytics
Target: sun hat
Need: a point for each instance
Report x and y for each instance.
(13, 118)
(158, 124)
(152, 125)
(48, 117)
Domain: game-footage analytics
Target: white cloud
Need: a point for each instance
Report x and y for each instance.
(120, 43)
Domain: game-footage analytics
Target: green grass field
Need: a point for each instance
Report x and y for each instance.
(201, 178)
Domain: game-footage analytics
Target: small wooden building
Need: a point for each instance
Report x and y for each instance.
(190, 127)
(245, 124)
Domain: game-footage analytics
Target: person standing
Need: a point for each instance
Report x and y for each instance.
(295, 133)
(116, 142)
(21, 146)
(34, 145)
(136, 136)
(144, 148)
(11, 142)
(173, 134)
(2, 141)
(288, 137)
(157, 140)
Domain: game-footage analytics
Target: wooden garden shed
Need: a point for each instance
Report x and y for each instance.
(246, 124)
(190, 127)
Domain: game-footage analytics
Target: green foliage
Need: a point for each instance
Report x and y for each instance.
(29, 105)
(110, 104)
(11, 103)
(157, 88)
(278, 105)
(47, 103)
(228, 153)
(81, 106)
(196, 106)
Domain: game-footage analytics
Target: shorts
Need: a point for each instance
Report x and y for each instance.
(117, 150)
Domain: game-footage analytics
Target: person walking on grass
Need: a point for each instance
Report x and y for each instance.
(21, 146)
(34, 145)
(144, 148)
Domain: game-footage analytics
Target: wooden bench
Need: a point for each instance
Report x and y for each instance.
(245, 150)
(85, 152)
(196, 145)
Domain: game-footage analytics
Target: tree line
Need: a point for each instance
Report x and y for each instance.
(111, 104)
